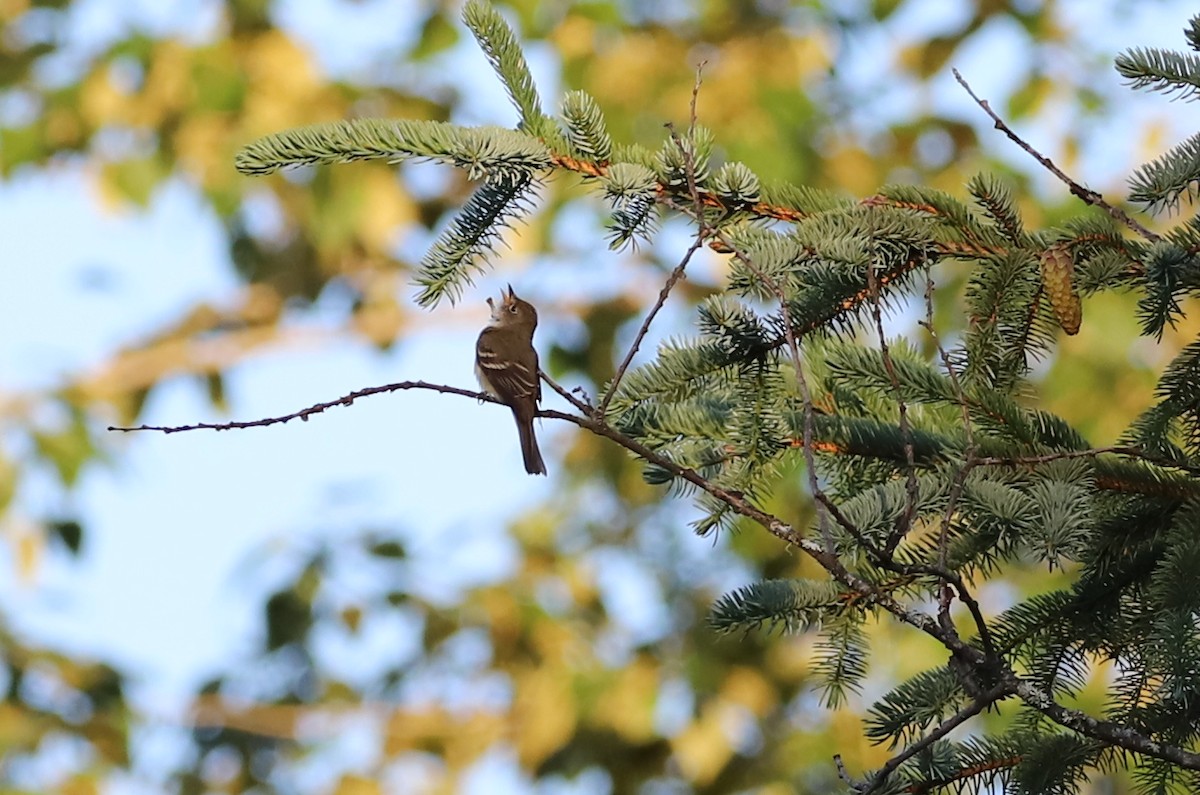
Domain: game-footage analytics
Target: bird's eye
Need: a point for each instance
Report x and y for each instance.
(513, 309)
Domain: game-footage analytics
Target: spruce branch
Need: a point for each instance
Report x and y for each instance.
(480, 150)
(1109, 733)
(825, 506)
(500, 45)
(968, 432)
(1087, 195)
(1175, 74)
(1192, 33)
(586, 129)
(1161, 183)
(451, 262)
(705, 230)
(793, 605)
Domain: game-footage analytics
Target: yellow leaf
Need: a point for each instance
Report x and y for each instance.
(28, 551)
(19, 729)
(458, 740)
(201, 143)
(503, 618)
(100, 100)
(11, 9)
(544, 713)
(168, 85)
(703, 749)
(352, 617)
(852, 169)
(8, 481)
(627, 706)
(80, 784)
(282, 83)
(387, 207)
(357, 785)
(750, 689)
(575, 38)
(555, 640)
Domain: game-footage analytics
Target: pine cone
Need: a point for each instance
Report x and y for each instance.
(1058, 270)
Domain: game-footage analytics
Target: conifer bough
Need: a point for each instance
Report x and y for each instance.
(930, 475)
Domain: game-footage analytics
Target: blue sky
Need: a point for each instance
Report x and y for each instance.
(173, 521)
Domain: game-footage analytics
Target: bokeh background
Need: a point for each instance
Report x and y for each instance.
(379, 600)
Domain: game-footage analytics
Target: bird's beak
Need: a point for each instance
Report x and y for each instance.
(489, 300)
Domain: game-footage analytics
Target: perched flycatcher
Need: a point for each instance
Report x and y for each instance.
(507, 368)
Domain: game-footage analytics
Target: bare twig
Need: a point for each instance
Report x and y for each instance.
(580, 403)
(675, 276)
(912, 488)
(317, 408)
(1087, 195)
(1092, 452)
(679, 270)
(843, 774)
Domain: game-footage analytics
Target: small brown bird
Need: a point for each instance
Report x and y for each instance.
(506, 365)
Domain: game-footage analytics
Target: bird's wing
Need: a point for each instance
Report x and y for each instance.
(512, 379)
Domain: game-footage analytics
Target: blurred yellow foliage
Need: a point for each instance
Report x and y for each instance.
(544, 711)
(748, 687)
(702, 749)
(357, 785)
(458, 739)
(283, 84)
(628, 703)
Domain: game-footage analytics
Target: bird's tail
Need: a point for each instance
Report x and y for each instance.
(529, 447)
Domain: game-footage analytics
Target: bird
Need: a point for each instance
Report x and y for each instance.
(506, 365)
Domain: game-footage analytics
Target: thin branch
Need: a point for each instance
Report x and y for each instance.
(735, 500)
(1088, 195)
(317, 408)
(678, 272)
(956, 488)
(1092, 452)
(581, 404)
(675, 276)
(841, 770)
(911, 488)
(988, 767)
(1109, 733)
(951, 723)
